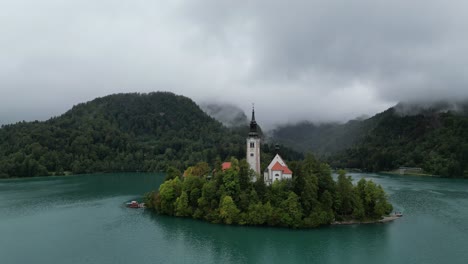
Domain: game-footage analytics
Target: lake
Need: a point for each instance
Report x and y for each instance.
(82, 219)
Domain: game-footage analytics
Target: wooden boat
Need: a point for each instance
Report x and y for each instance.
(135, 204)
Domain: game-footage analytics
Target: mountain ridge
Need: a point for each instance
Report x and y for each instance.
(122, 132)
(433, 138)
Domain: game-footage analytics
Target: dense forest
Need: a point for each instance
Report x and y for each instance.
(433, 138)
(122, 132)
(150, 132)
(436, 142)
(312, 198)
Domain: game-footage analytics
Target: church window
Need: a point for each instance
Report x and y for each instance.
(251, 154)
(276, 175)
(252, 144)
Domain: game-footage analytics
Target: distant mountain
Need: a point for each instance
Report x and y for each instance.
(433, 137)
(433, 140)
(321, 139)
(228, 114)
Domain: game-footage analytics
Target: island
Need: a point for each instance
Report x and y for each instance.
(233, 196)
(301, 195)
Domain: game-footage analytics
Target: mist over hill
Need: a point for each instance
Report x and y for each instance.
(228, 114)
(433, 137)
(428, 108)
(321, 139)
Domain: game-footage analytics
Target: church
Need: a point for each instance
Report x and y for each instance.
(277, 170)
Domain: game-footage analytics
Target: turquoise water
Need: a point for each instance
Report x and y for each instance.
(81, 219)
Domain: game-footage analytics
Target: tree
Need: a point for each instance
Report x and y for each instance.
(244, 174)
(344, 195)
(257, 214)
(172, 173)
(307, 184)
(228, 211)
(291, 211)
(181, 205)
(199, 170)
(168, 193)
(260, 188)
(230, 184)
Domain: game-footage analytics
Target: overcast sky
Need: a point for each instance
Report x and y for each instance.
(315, 60)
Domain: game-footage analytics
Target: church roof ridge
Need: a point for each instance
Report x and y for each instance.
(279, 167)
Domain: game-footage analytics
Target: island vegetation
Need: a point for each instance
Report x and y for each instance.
(236, 196)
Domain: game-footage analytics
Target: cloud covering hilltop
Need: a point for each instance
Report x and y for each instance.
(315, 60)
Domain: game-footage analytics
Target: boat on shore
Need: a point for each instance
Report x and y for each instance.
(135, 204)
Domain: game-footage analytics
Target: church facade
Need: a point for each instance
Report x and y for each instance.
(276, 170)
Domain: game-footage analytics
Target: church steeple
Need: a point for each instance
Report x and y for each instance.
(253, 145)
(253, 125)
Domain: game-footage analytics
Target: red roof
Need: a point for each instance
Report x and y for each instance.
(279, 167)
(226, 165)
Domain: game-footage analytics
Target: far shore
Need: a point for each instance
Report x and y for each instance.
(385, 219)
(395, 172)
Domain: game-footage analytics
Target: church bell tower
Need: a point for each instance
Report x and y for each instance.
(253, 145)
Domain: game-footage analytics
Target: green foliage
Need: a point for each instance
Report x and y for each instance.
(199, 170)
(291, 211)
(182, 206)
(228, 211)
(172, 173)
(303, 202)
(122, 132)
(373, 199)
(169, 192)
(434, 141)
(345, 198)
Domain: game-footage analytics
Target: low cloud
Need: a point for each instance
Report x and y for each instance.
(422, 108)
(313, 60)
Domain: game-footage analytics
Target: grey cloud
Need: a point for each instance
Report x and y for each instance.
(404, 50)
(315, 60)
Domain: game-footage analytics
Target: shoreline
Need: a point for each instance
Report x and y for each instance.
(409, 174)
(385, 219)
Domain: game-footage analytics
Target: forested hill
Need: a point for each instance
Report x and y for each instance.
(121, 132)
(322, 139)
(432, 140)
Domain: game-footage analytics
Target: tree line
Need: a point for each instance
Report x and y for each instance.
(435, 142)
(121, 132)
(237, 196)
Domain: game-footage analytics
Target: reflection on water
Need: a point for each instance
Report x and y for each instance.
(82, 219)
(272, 245)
